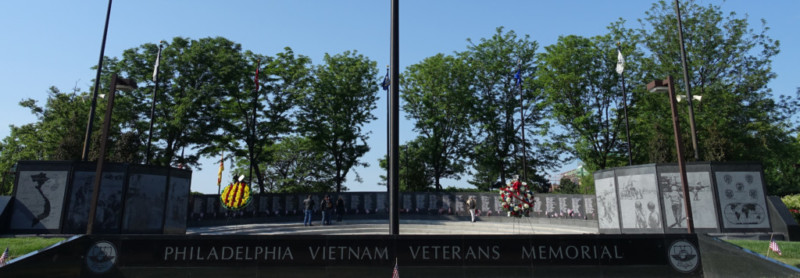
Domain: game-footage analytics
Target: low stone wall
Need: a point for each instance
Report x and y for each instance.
(283, 207)
(653, 255)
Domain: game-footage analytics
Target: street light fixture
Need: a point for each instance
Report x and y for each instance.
(680, 97)
(668, 86)
(116, 83)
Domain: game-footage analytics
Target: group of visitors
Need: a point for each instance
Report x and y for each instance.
(327, 206)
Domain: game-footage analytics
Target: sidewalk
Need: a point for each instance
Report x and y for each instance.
(407, 227)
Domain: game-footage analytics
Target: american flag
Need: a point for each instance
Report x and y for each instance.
(772, 246)
(4, 258)
(396, 272)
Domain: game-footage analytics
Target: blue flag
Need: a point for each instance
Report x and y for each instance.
(518, 77)
(386, 81)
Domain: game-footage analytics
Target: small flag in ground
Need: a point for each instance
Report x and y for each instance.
(774, 247)
(396, 272)
(4, 258)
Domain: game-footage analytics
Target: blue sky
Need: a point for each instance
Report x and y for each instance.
(55, 43)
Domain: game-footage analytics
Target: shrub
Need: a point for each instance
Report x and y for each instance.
(792, 202)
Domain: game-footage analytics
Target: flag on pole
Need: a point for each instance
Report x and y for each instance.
(386, 80)
(4, 258)
(620, 62)
(221, 167)
(518, 77)
(396, 272)
(158, 61)
(774, 247)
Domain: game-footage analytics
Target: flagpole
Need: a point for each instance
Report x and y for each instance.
(87, 141)
(153, 102)
(522, 120)
(624, 102)
(394, 114)
(253, 126)
(219, 175)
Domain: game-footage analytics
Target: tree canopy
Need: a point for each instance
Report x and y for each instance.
(499, 107)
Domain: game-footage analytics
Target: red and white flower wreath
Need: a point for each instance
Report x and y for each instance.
(516, 198)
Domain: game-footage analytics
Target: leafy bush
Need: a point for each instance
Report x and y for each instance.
(792, 202)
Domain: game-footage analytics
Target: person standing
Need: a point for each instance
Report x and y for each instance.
(327, 208)
(641, 221)
(339, 209)
(308, 209)
(471, 207)
(676, 200)
(653, 220)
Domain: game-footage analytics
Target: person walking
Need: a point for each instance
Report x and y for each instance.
(308, 209)
(339, 209)
(471, 207)
(327, 208)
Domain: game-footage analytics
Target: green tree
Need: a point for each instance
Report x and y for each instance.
(584, 92)
(23, 143)
(60, 123)
(336, 108)
(567, 186)
(294, 167)
(281, 81)
(57, 134)
(194, 76)
(415, 174)
(437, 96)
(738, 118)
(497, 152)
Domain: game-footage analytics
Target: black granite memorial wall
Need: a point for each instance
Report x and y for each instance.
(376, 205)
(55, 197)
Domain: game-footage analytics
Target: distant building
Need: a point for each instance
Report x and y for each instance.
(574, 175)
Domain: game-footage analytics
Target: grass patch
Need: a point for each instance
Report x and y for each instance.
(18, 246)
(790, 250)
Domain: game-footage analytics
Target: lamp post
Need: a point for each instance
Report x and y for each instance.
(87, 140)
(122, 84)
(668, 85)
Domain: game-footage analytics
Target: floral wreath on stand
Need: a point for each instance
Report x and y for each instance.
(236, 196)
(516, 198)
